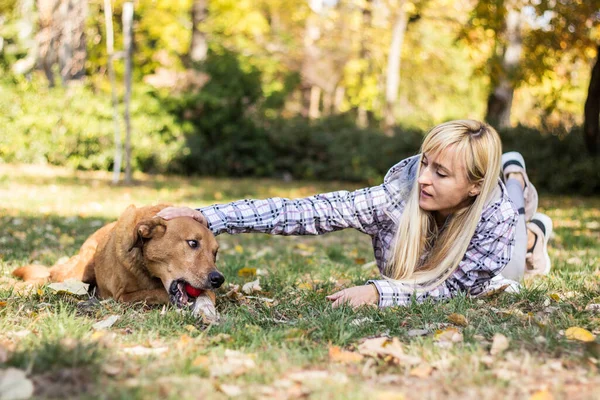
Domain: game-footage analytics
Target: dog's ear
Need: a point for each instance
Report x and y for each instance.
(147, 230)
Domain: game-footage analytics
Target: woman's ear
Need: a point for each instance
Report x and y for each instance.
(475, 189)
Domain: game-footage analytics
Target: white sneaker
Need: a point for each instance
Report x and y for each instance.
(537, 260)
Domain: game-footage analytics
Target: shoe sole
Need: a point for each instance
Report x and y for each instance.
(546, 222)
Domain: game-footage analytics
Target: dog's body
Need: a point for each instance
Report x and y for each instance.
(142, 257)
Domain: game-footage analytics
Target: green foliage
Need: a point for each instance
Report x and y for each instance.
(557, 162)
(74, 127)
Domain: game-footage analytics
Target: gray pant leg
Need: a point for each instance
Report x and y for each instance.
(515, 268)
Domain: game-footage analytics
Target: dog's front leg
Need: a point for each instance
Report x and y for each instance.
(151, 296)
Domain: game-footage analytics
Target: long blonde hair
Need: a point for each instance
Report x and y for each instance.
(423, 255)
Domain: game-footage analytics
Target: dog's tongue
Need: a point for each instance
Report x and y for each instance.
(192, 291)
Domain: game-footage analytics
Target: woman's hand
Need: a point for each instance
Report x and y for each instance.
(355, 296)
(175, 212)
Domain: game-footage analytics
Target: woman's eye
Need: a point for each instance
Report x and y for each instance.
(193, 243)
(442, 175)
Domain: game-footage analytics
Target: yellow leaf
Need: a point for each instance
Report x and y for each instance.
(577, 333)
(247, 272)
(3, 303)
(190, 328)
(555, 297)
(458, 319)
(200, 361)
(336, 354)
(305, 286)
(421, 371)
(40, 292)
(359, 261)
(448, 335)
(238, 249)
(542, 395)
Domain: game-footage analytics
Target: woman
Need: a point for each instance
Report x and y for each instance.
(441, 223)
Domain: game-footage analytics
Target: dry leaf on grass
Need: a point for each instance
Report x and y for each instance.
(448, 337)
(15, 385)
(593, 307)
(458, 319)
(580, 334)
(384, 347)
(204, 307)
(542, 395)
(230, 390)
(499, 344)
(70, 286)
(421, 371)
(309, 377)
(233, 363)
(247, 272)
(252, 287)
(105, 323)
(336, 354)
(144, 351)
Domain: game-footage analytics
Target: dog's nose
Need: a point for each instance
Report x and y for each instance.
(216, 279)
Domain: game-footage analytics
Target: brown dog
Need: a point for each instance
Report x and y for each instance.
(142, 257)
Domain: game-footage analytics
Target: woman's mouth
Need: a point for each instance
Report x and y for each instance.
(425, 194)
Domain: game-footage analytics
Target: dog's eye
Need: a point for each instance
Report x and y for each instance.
(193, 243)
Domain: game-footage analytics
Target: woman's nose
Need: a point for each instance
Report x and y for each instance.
(424, 176)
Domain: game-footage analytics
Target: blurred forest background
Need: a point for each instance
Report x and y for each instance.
(300, 89)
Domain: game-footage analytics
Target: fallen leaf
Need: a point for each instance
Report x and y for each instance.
(105, 323)
(14, 384)
(593, 307)
(451, 335)
(238, 249)
(305, 286)
(70, 286)
(417, 332)
(580, 334)
(458, 319)
(204, 307)
(542, 395)
(252, 287)
(144, 351)
(230, 390)
(555, 297)
(422, 370)
(336, 354)
(383, 346)
(247, 272)
(232, 363)
(3, 303)
(312, 376)
(499, 344)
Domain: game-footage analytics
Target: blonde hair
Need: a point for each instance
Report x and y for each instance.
(423, 255)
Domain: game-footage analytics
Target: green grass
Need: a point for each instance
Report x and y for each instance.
(47, 213)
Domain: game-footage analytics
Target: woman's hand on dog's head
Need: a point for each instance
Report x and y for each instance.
(176, 212)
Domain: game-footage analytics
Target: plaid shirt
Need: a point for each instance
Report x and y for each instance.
(376, 212)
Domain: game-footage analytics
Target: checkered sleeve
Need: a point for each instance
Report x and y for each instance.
(315, 215)
(488, 253)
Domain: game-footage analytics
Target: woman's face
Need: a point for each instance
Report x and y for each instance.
(444, 187)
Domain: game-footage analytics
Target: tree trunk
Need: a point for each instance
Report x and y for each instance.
(315, 102)
(199, 44)
(591, 124)
(110, 42)
(73, 51)
(393, 67)
(362, 118)
(128, 49)
(501, 96)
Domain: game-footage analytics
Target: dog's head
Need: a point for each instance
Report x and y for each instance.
(180, 252)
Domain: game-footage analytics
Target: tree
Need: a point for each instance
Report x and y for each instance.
(570, 29)
(199, 44)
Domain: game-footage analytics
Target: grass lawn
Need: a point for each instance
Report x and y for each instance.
(285, 341)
